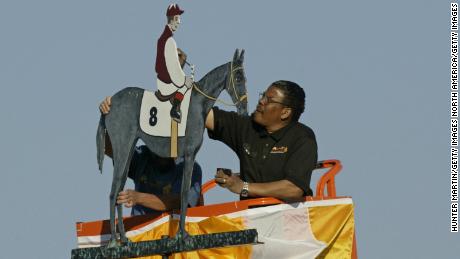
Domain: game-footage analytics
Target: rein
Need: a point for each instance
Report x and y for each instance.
(230, 82)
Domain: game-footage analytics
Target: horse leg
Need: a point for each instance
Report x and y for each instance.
(122, 158)
(112, 204)
(185, 189)
(121, 226)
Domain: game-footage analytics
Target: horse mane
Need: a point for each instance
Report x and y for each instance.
(211, 75)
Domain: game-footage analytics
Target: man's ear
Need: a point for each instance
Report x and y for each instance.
(286, 113)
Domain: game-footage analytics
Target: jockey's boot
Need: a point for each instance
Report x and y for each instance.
(176, 113)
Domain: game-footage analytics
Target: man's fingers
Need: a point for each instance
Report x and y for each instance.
(221, 180)
(123, 197)
(127, 202)
(105, 105)
(103, 108)
(124, 200)
(121, 201)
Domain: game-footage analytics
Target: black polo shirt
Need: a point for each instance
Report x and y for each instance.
(289, 153)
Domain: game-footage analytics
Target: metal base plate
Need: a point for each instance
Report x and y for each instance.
(169, 246)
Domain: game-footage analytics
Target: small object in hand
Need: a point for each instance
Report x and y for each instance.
(226, 171)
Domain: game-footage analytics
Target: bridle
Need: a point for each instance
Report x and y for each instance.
(231, 84)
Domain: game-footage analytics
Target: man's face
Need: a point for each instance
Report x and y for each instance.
(174, 23)
(163, 163)
(269, 108)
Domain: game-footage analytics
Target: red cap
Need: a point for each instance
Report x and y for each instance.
(174, 9)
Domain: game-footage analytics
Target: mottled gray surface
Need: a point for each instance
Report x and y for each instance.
(122, 126)
(169, 245)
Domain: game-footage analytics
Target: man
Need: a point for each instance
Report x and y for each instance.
(277, 153)
(157, 183)
(157, 180)
(172, 82)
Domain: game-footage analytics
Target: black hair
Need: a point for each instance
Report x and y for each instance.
(294, 97)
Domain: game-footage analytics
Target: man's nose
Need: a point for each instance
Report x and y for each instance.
(262, 100)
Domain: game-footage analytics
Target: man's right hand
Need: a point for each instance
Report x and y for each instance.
(104, 107)
(230, 180)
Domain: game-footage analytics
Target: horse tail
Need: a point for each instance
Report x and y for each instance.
(100, 142)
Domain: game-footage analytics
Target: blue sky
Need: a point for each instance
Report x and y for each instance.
(376, 75)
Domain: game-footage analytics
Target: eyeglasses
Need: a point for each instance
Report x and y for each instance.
(263, 98)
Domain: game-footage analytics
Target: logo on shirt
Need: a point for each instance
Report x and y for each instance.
(279, 150)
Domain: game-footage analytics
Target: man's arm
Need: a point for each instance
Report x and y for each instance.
(155, 202)
(210, 120)
(283, 189)
(297, 174)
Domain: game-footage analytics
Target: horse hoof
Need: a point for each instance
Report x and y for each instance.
(113, 243)
(124, 241)
(182, 235)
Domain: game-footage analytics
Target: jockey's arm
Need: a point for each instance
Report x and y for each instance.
(172, 63)
(182, 57)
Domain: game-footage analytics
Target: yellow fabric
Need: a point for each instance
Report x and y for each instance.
(333, 225)
(207, 226)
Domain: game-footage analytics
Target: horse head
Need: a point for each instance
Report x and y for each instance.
(236, 83)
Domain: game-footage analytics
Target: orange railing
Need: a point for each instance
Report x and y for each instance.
(325, 183)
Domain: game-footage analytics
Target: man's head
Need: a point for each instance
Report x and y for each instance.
(173, 13)
(163, 164)
(281, 103)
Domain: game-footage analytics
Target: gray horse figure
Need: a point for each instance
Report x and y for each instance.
(122, 127)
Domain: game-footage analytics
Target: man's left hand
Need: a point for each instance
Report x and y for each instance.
(233, 182)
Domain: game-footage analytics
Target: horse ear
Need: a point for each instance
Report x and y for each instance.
(235, 56)
(242, 56)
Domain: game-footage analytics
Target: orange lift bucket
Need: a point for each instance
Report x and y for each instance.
(320, 226)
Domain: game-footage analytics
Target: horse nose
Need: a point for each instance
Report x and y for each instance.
(242, 108)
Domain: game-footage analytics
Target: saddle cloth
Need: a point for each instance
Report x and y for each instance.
(155, 118)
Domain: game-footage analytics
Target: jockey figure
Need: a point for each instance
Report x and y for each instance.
(172, 82)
